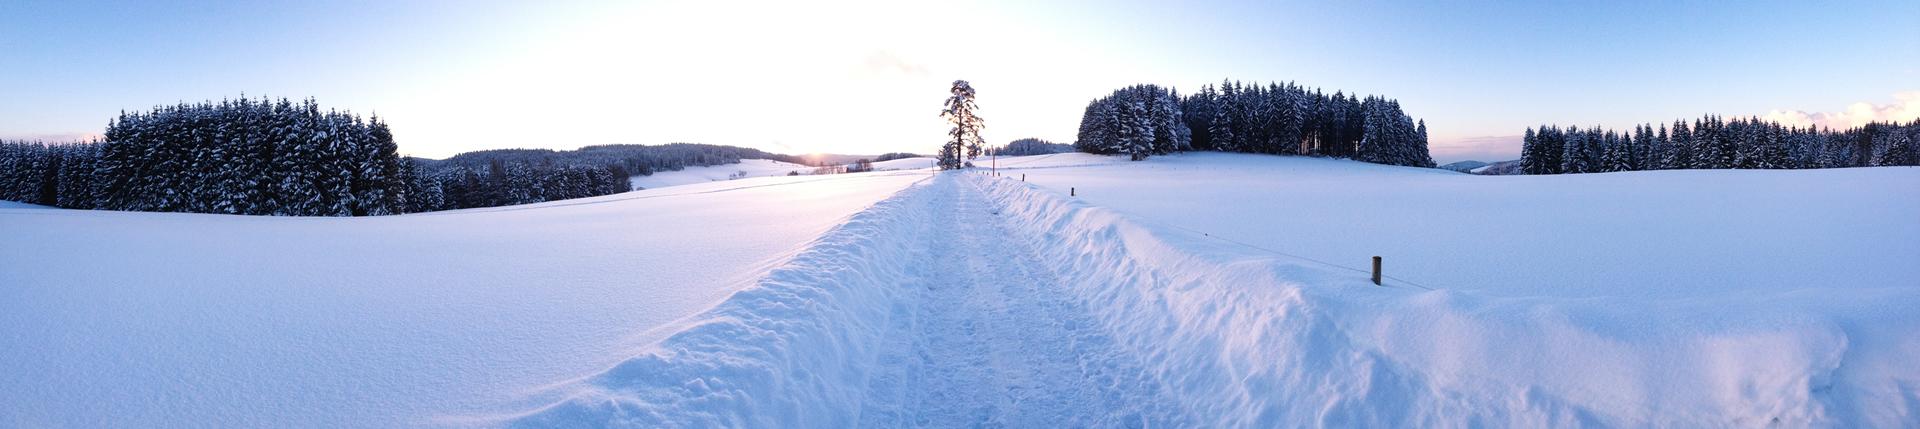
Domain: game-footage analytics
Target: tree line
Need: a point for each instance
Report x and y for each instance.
(267, 157)
(1030, 146)
(253, 157)
(506, 183)
(1712, 142)
(1138, 121)
(641, 160)
(1279, 119)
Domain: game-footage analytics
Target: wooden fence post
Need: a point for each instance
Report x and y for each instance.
(1376, 270)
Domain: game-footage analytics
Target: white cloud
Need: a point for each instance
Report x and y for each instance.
(1856, 115)
(881, 64)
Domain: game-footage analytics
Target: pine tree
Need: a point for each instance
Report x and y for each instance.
(1423, 156)
(1683, 145)
(381, 170)
(1662, 155)
(1198, 110)
(1221, 127)
(1900, 150)
(1571, 158)
(1530, 148)
(965, 134)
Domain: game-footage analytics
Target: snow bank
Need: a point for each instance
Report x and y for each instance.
(794, 350)
(1258, 340)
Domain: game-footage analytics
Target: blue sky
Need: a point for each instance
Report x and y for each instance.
(868, 77)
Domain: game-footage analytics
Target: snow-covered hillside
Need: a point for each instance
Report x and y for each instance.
(748, 168)
(904, 164)
(1197, 290)
(718, 173)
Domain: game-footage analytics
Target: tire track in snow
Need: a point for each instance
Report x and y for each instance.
(991, 341)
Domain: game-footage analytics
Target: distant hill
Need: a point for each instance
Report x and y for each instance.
(638, 159)
(1465, 166)
(817, 159)
(1030, 146)
(1503, 168)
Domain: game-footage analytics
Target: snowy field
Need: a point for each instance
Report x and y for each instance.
(1671, 299)
(1196, 290)
(753, 168)
(904, 164)
(1657, 234)
(718, 173)
(113, 319)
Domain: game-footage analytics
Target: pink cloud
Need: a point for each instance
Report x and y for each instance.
(881, 64)
(1484, 148)
(1859, 114)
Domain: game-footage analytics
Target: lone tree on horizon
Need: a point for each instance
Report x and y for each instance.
(966, 127)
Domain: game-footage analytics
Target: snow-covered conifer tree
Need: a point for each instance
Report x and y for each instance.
(965, 134)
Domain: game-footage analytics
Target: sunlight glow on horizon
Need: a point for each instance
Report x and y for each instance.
(868, 77)
(779, 77)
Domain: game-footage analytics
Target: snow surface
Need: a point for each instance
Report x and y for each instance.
(904, 164)
(754, 168)
(1655, 234)
(718, 173)
(1156, 296)
(116, 319)
(1246, 337)
(13, 205)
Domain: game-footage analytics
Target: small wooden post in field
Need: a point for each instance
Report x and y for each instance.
(1376, 270)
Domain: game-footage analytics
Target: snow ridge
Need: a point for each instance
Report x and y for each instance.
(1251, 340)
(791, 351)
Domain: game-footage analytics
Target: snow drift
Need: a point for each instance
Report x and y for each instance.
(794, 350)
(1259, 340)
(1239, 337)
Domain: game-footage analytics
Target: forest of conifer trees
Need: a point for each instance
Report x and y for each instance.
(1715, 143)
(236, 157)
(1277, 119)
(264, 157)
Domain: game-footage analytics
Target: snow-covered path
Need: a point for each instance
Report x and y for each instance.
(992, 341)
(927, 309)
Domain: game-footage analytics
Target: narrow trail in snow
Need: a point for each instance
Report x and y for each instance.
(991, 341)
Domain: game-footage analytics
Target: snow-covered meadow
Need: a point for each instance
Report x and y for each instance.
(114, 319)
(1195, 290)
(1672, 298)
(717, 173)
(750, 168)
